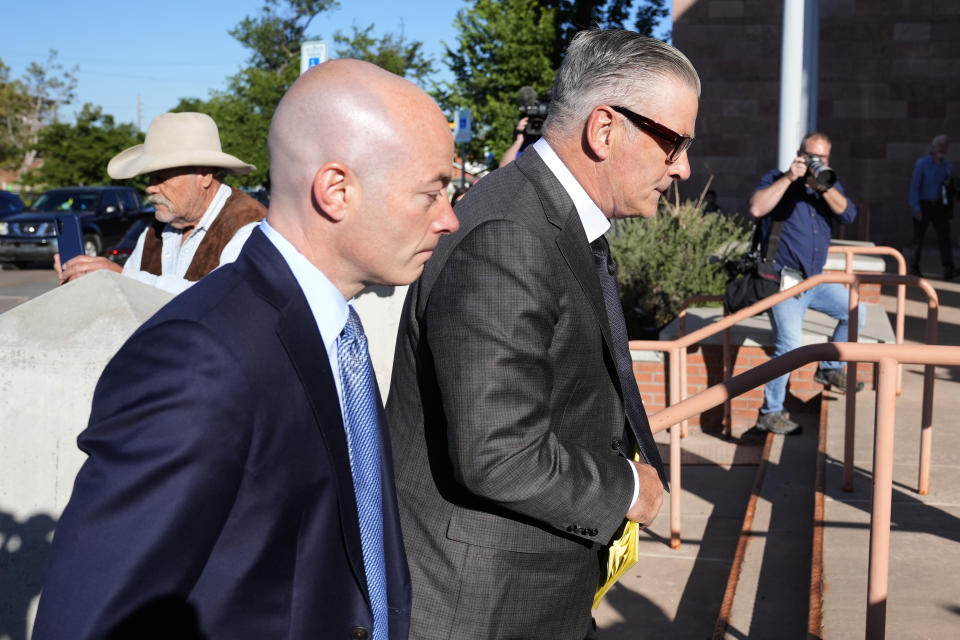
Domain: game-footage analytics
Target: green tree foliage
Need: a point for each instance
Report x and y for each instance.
(14, 103)
(244, 111)
(503, 46)
(390, 51)
(676, 254)
(78, 154)
(273, 36)
(29, 105)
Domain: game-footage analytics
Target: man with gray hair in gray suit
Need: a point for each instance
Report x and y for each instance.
(514, 412)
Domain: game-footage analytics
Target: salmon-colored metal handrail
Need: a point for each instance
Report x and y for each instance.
(849, 252)
(677, 350)
(887, 356)
(682, 329)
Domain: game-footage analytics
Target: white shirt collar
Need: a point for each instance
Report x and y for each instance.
(327, 304)
(595, 224)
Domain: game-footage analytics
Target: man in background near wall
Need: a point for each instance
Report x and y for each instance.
(201, 223)
(929, 201)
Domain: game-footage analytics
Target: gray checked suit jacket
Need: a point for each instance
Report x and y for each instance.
(506, 419)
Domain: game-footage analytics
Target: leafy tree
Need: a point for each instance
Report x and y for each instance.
(503, 46)
(29, 105)
(273, 36)
(14, 103)
(78, 154)
(390, 51)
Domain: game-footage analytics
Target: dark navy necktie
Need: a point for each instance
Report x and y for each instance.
(363, 440)
(633, 404)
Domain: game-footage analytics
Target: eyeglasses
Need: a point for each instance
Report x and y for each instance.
(678, 143)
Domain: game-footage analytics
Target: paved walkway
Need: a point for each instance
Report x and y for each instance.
(678, 593)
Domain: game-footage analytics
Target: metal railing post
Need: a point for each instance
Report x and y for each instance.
(850, 423)
(674, 454)
(879, 565)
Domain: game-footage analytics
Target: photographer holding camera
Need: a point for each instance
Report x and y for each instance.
(529, 128)
(807, 198)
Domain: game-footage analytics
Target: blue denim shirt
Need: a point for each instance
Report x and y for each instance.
(808, 220)
(928, 177)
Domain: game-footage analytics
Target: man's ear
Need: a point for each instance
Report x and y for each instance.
(206, 177)
(333, 190)
(598, 131)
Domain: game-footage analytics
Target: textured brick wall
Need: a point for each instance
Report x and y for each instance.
(889, 73)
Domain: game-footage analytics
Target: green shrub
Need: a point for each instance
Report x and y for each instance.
(666, 259)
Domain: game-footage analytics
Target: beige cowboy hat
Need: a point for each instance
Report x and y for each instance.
(176, 140)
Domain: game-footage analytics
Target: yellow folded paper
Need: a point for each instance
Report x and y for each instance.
(622, 554)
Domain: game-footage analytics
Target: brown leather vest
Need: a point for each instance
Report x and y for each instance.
(239, 210)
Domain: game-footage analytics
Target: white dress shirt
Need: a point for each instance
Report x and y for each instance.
(327, 304)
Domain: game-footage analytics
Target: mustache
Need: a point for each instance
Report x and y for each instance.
(156, 199)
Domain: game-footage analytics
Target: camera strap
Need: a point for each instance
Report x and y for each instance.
(772, 242)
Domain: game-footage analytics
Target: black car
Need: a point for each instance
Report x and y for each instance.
(105, 215)
(10, 203)
(122, 250)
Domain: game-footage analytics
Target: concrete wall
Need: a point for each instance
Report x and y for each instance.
(52, 351)
(888, 72)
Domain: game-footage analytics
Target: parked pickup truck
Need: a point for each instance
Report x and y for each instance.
(105, 215)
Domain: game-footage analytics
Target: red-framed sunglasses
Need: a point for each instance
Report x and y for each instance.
(678, 143)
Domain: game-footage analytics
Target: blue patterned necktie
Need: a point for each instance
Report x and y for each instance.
(632, 403)
(363, 440)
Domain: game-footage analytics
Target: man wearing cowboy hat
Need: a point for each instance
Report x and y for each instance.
(201, 223)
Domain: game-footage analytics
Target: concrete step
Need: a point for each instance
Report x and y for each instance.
(772, 594)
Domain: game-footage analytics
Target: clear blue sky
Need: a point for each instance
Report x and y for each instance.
(171, 49)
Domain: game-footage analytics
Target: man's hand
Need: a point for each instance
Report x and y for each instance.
(521, 127)
(798, 169)
(918, 216)
(82, 265)
(764, 200)
(647, 506)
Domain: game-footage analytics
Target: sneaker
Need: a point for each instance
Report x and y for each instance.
(835, 379)
(777, 422)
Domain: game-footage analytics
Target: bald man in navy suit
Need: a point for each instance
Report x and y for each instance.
(221, 483)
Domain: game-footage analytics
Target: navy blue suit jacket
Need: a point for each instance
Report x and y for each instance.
(218, 476)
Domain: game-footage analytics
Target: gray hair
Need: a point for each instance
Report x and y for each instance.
(940, 139)
(604, 66)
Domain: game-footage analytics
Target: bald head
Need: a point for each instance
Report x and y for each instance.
(345, 111)
(346, 139)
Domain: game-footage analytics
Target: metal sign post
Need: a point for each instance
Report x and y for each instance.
(462, 134)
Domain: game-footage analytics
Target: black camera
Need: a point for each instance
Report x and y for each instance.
(823, 175)
(535, 111)
(746, 263)
(536, 114)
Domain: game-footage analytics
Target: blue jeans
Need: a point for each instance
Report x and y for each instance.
(786, 317)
